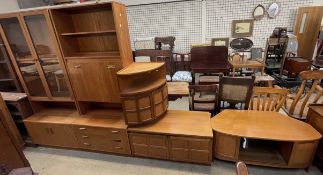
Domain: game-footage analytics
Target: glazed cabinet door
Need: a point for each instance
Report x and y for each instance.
(95, 80)
(23, 60)
(42, 36)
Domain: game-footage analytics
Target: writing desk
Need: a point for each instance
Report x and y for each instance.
(273, 139)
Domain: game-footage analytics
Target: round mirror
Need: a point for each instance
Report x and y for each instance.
(273, 10)
(241, 44)
(258, 12)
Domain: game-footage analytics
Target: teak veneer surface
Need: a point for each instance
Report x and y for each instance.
(176, 122)
(13, 96)
(95, 118)
(263, 125)
(137, 68)
(178, 88)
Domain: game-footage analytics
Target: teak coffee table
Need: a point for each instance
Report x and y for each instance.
(272, 139)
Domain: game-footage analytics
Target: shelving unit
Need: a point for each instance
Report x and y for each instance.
(95, 43)
(144, 92)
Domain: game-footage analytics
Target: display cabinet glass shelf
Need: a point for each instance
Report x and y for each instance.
(144, 93)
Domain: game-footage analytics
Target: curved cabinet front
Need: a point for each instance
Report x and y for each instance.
(146, 107)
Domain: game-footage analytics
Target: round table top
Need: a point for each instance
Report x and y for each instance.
(265, 125)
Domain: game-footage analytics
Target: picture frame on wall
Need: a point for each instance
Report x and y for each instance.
(242, 28)
(220, 42)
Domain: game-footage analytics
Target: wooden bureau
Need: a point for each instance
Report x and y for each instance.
(176, 137)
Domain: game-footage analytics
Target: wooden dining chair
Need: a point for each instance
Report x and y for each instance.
(297, 106)
(203, 98)
(268, 98)
(234, 92)
(241, 168)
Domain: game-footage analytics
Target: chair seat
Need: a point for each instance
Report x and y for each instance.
(183, 76)
(142, 59)
(203, 106)
(209, 79)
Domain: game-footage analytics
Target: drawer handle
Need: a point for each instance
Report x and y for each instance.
(115, 131)
(82, 128)
(87, 144)
(117, 140)
(111, 67)
(118, 147)
(85, 137)
(77, 66)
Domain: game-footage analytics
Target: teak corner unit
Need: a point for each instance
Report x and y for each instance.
(264, 138)
(144, 93)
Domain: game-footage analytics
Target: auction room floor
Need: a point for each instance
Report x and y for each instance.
(50, 161)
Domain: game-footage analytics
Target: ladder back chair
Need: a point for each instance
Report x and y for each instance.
(268, 98)
(234, 91)
(297, 108)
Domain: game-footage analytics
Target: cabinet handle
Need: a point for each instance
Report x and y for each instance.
(82, 128)
(118, 147)
(87, 144)
(77, 66)
(115, 131)
(111, 67)
(51, 130)
(117, 140)
(85, 137)
(47, 130)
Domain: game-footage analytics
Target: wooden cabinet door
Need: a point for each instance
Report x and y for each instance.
(39, 133)
(95, 80)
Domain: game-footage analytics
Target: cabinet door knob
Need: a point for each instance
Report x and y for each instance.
(118, 147)
(84, 136)
(111, 67)
(115, 131)
(87, 144)
(77, 66)
(82, 128)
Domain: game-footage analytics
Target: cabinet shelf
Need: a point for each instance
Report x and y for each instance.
(78, 55)
(6, 79)
(143, 86)
(89, 33)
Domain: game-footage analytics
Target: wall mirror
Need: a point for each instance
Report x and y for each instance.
(273, 10)
(258, 12)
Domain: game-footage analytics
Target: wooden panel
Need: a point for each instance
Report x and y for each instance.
(226, 147)
(158, 152)
(95, 80)
(302, 154)
(179, 154)
(307, 39)
(200, 156)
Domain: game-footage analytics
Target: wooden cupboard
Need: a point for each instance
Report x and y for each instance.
(175, 137)
(87, 75)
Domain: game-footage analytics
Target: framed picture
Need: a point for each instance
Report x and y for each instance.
(242, 28)
(220, 42)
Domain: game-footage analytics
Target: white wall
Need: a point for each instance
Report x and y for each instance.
(8, 5)
(318, 2)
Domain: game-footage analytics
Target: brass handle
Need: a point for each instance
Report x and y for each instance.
(77, 66)
(115, 131)
(87, 144)
(84, 136)
(82, 128)
(111, 67)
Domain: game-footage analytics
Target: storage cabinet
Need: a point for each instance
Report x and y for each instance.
(102, 139)
(51, 134)
(33, 50)
(95, 80)
(187, 149)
